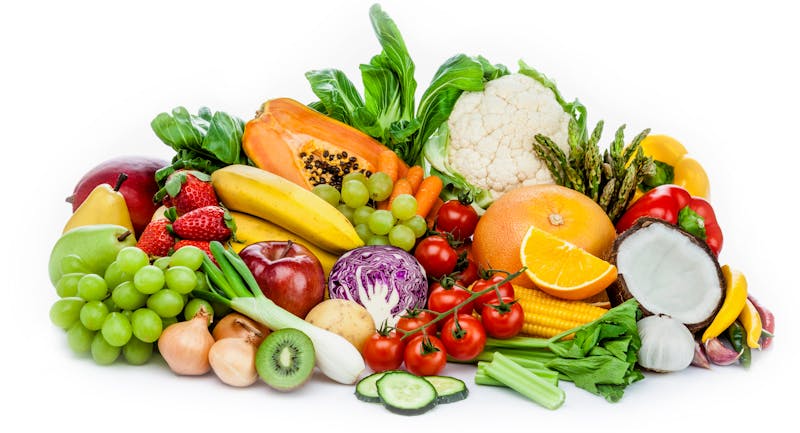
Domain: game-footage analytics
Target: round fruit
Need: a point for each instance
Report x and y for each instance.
(561, 211)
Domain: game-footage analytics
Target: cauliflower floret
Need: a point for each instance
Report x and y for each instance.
(492, 133)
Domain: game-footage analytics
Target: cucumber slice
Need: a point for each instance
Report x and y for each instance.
(449, 389)
(406, 394)
(366, 389)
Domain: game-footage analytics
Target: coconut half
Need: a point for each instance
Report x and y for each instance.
(668, 271)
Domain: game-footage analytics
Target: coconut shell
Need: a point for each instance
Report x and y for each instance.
(618, 291)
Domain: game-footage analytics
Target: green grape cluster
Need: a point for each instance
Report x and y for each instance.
(399, 226)
(124, 311)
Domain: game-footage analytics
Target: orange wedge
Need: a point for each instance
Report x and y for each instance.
(562, 269)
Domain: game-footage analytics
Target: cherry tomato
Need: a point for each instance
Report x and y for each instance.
(506, 289)
(425, 355)
(384, 351)
(458, 218)
(463, 336)
(502, 320)
(466, 268)
(436, 256)
(415, 318)
(442, 298)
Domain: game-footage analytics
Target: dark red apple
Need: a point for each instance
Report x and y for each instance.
(138, 189)
(288, 273)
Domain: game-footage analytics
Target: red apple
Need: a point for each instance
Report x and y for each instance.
(288, 273)
(138, 189)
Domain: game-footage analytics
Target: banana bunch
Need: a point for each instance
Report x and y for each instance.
(259, 193)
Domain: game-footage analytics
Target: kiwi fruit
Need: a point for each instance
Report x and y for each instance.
(285, 359)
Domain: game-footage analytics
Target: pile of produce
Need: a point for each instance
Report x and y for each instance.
(380, 241)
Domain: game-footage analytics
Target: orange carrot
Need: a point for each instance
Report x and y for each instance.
(402, 186)
(427, 193)
(431, 218)
(389, 163)
(414, 176)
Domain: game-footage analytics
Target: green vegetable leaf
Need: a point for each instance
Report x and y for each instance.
(395, 58)
(224, 138)
(180, 129)
(336, 94)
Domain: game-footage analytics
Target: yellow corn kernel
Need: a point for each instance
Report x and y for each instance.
(546, 316)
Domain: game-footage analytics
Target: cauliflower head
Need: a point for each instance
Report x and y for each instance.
(492, 132)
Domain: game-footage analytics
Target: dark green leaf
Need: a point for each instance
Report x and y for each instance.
(336, 93)
(394, 57)
(224, 138)
(382, 97)
(180, 129)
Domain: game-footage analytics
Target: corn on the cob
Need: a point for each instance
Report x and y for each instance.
(546, 316)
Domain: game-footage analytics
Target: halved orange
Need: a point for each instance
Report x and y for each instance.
(562, 269)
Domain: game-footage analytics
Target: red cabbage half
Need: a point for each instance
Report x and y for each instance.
(386, 280)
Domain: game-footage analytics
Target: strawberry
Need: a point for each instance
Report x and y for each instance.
(188, 190)
(203, 245)
(209, 223)
(156, 239)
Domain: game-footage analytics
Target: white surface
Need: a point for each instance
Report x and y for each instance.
(81, 81)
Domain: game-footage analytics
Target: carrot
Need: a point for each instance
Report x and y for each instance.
(402, 186)
(414, 176)
(427, 193)
(389, 163)
(431, 218)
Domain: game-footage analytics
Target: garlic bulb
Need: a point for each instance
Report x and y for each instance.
(667, 344)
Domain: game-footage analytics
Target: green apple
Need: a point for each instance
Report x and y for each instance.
(96, 246)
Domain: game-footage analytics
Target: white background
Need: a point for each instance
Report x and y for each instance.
(81, 81)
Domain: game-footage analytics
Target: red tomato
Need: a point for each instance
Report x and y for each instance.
(436, 256)
(466, 268)
(383, 351)
(457, 218)
(442, 299)
(414, 319)
(502, 320)
(425, 355)
(463, 337)
(506, 289)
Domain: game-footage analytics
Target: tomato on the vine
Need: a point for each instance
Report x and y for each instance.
(414, 319)
(502, 319)
(463, 337)
(425, 355)
(458, 218)
(505, 289)
(384, 350)
(436, 256)
(466, 267)
(442, 298)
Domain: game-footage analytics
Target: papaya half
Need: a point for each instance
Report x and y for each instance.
(307, 147)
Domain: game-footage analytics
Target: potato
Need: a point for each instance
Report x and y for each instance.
(344, 317)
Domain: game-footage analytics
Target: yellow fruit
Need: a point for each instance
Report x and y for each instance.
(562, 269)
(561, 211)
(104, 205)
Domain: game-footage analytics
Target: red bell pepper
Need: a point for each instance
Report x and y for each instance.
(675, 205)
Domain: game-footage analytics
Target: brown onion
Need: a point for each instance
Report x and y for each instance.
(235, 325)
(234, 361)
(185, 345)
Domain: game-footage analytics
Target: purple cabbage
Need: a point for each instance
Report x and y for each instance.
(385, 280)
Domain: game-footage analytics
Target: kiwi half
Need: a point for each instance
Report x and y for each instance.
(285, 359)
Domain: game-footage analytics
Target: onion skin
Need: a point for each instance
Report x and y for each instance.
(185, 345)
(236, 325)
(233, 360)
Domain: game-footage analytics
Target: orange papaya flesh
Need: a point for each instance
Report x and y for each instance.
(307, 147)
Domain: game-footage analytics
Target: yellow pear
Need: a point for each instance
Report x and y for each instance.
(104, 205)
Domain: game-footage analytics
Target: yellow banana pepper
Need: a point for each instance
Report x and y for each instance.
(673, 166)
(751, 321)
(735, 298)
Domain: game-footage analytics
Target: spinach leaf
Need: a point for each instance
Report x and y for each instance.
(336, 94)
(394, 58)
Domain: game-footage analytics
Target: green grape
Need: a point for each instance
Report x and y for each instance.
(166, 303)
(404, 206)
(102, 352)
(167, 321)
(111, 305)
(127, 297)
(363, 232)
(380, 222)
(93, 314)
(67, 285)
(116, 329)
(355, 175)
(378, 240)
(327, 192)
(79, 339)
(73, 263)
(417, 224)
(202, 283)
(131, 259)
(137, 352)
(149, 279)
(147, 325)
(347, 211)
(65, 312)
(114, 275)
(92, 287)
(361, 214)
(402, 237)
(189, 256)
(380, 186)
(163, 262)
(128, 314)
(180, 279)
(354, 194)
(194, 305)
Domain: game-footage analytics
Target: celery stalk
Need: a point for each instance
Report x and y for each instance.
(516, 377)
(483, 378)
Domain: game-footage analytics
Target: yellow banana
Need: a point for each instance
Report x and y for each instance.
(268, 196)
(250, 229)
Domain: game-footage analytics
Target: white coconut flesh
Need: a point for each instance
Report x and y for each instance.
(669, 274)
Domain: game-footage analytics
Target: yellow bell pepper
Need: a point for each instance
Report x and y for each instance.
(751, 321)
(732, 305)
(673, 166)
